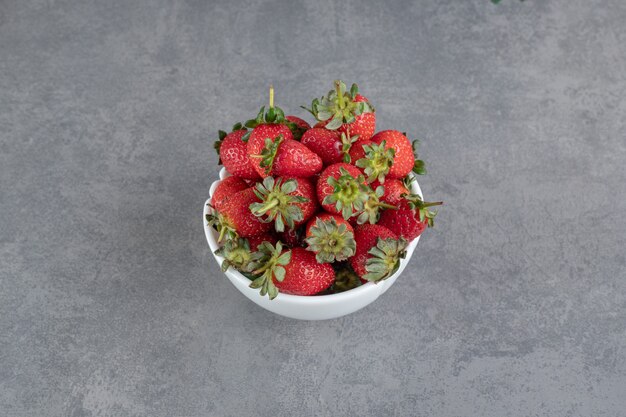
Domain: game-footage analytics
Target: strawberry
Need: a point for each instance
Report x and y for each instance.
(341, 189)
(271, 148)
(330, 237)
(225, 189)
(233, 153)
(411, 217)
(306, 188)
(293, 271)
(235, 218)
(404, 159)
(394, 189)
(330, 145)
(283, 201)
(257, 143)
(280, 155)
(378, 252)
(300, 123)
(364, 124)
(290, 158)
(346, 111)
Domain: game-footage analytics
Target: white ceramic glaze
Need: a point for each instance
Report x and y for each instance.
(320, 307)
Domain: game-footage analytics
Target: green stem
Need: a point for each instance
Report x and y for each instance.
(271, 96)
(222, 232)
(340, 98)
(261, 270)
(436, 203)
(269, 205)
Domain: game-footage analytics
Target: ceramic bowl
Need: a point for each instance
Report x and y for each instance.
(317, 307)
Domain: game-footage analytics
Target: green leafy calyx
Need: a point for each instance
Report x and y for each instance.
(377, 162)
(278, 204)
(338, 106)
(274, 114)
(349, 193)
(346, 145)
(419, 167)
(269, 152)
(385, 259)
(372, 207)
(269, 264)
(422, 207)
(236, 253)
(224, 227)
(331, 242)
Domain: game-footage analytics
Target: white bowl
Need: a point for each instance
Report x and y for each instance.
(317, 307)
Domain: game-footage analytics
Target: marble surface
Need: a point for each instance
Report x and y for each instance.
(111, 304)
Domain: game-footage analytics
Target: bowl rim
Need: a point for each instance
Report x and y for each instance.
(307, 299)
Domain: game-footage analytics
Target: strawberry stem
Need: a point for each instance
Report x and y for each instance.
(222, 233)
(386, 206)
(430, 204)
(271, 96)
(340, 99)
(266, 207)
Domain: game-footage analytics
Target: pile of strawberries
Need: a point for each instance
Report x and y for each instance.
(317, 210)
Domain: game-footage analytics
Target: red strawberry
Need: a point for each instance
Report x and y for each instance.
(394, 189)
(257, 142)
(378, 252)
(341, 189)
(404, 159)
(346, 111)
(411, 217)
(280, 155)
(364, 125)
(233, 152)
(255, 241)
(290, 158)
(301, 123)
(306, 189)
(225, 189)
(330, 145)
(325, 143)
(293, 271)
(330, 237)
(271, 148)
(235, 219)
(285, 201)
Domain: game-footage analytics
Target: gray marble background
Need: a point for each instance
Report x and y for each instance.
(111, 304)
